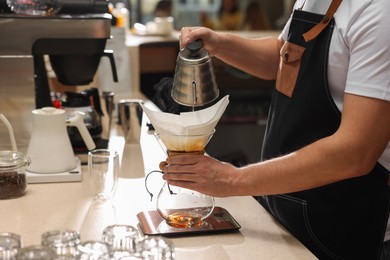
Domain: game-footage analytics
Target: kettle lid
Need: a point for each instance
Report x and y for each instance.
(194, 53)
(48, 111)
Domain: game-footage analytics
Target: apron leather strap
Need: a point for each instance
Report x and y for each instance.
(317, 29)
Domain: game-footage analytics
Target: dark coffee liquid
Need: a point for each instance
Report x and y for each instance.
(184, 220)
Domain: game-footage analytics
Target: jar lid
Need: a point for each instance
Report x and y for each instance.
(10, 160)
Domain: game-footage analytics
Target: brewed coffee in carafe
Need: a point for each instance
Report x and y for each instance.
(180, 207)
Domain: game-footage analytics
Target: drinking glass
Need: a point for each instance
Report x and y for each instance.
(36, 252)
(156, 248)
(63, 242)
(9, 245)
(122, 240)
(103, 171)
(94, 250)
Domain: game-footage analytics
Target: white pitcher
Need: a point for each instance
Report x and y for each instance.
(50, 149)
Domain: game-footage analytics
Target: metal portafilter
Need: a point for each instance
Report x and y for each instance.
(194, 82)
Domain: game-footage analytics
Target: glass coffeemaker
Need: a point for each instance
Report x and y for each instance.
(194, 85)
(180, 207)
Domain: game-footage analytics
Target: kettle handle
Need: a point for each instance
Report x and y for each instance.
(78, 121)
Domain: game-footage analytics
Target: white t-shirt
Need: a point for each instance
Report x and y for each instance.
(359, 55)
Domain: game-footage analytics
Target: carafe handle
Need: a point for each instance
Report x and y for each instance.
(110, 55)
(78, 121)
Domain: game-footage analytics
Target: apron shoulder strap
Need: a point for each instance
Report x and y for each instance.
(317, 29)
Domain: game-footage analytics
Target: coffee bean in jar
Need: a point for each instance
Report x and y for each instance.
(12, 174)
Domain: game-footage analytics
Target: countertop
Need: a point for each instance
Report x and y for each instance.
(52, 206)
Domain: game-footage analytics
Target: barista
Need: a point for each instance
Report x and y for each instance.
(326, 154)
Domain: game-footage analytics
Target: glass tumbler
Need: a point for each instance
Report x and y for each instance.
(122, 240)
(151, 248)
(63, 242)
(36, 252)
(9, 245)
(103, 171)
(94, 250)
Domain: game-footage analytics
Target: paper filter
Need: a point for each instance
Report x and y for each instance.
(187, 123)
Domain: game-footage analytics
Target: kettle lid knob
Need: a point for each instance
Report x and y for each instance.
(194, 53)
(195, 46)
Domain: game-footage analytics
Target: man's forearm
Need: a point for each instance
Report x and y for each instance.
(312, 166)
(260, 58)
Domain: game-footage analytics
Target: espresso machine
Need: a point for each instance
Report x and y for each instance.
(74, 39)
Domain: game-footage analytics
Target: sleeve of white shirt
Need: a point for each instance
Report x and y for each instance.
(368, 40)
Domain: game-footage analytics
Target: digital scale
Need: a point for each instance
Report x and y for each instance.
(220, 220)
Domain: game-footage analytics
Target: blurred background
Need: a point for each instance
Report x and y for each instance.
(240, 132)
(267, 14)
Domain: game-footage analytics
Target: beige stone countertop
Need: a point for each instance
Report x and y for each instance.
(50, 206)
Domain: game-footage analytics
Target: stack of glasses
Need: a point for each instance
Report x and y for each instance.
(118, 242)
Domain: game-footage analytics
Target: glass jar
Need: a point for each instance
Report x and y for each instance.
(12, 174)
(35, 7)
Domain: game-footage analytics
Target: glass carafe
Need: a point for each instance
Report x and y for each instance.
(180, 207)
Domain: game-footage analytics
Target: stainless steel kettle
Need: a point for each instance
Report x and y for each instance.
(194, 82)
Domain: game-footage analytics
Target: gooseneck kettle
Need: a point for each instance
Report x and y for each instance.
(194, 82)
(50, 149)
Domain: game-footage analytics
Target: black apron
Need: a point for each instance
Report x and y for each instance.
(342, 220)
